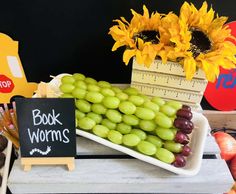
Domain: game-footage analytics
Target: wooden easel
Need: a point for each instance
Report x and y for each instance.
(28, 162)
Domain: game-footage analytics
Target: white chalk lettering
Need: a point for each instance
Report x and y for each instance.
(34, 136)
(45, 119)
(56, 135)
(64, 135)
(39, 136)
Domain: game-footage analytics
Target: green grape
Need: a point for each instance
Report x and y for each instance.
(175, 104)
(147, 125)
(145, 98)
(109, 124)
(111, 102)
(152, 106)
(116, 89)
(80, 84)
(131, 140)
(159, 101)
(66, 88)
(78, 76)
(173, 146)
(67, 79)
(79, 115)
(94, 97)
(79, 93)
(127, 107)
(115, 136)
(163, 121)
(93, 88)
(165, 134)
(122, 96)
(104, 84)
(114, 116)
(66, 96)
(142, 135)
(154, 140)
(146, 148)
(96, 117)
(100, 131)
(107, 92)
(83, 105)
(123, 128)
(165, 155)
(174, 130)
(99, 109)
(136, 100)
(76, 123)
(86, 123)
(173, 118)
(131, 91)
(130, 120)
(168, 110)
(159, 113)
(90, 80)
(144, 113)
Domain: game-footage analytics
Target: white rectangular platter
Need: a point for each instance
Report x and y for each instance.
(193, 164)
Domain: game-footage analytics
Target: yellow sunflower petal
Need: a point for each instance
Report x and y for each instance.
(145, 12)
(139, 57)
(189, 67)
(117, 45)
(210, 71)
(128, 54)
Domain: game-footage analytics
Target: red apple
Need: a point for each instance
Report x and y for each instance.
(227, 145)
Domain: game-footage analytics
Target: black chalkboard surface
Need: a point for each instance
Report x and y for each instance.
(46, 127)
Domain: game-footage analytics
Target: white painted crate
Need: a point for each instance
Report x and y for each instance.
(100, 169)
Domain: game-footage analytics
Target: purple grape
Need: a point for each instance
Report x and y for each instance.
(186, 107)
(181, 137)
(179, 161)
(186, 150)
(186, 131)
(184, 113)
(182, 123)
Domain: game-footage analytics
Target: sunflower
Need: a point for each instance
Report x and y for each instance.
(208, 48)
(175, 37)
(141, 37)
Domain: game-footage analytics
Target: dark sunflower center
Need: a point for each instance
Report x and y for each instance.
(148, 36)
(199, 43)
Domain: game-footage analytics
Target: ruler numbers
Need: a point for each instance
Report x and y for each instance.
(173, 81)
(168, 93)
(168, 68)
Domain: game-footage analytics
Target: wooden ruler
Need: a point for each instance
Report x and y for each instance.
(168, 81)
(173, 81)
(168, 68)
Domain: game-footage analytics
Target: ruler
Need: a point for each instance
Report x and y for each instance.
(168, 82)
(168, 68)
(169, 93)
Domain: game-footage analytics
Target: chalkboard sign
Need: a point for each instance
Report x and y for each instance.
(46, 127)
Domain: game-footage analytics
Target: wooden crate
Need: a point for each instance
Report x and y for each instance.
(100, 169)
(220, 119)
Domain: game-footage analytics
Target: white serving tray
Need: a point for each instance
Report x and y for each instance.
(5, 169)
(197, 142)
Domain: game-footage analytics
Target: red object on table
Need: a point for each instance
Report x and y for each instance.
(227, 145)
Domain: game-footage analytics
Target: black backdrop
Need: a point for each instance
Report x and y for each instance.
(70, 36)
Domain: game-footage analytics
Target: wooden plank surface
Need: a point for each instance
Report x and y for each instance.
(119, 176)
(220, 119)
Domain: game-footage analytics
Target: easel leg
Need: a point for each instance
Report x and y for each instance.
(27, 167)
(71, 166)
